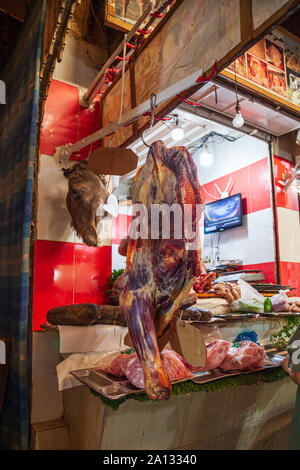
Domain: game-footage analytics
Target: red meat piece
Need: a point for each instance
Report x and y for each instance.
(115, 367)
(248, 355)
(133, 370)
(216, 352)
(172, 363)
(174, 366)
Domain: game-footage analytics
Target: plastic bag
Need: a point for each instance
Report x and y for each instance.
(216, 353)
(244, 355)
(250, 301)
(247, 335)
(280, 302)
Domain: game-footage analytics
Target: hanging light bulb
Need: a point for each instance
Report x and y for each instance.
(177, 133)
(206, 158)
(238, 120)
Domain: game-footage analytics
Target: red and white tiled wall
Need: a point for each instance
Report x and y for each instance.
(244, 166)
(287, 206)
(66, 271)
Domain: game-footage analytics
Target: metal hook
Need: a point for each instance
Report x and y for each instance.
(153, 98)
(110, 140)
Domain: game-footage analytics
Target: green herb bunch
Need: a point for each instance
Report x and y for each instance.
(281, 339)
(112, 279)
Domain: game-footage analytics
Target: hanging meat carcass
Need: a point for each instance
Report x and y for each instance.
(161, 271)
(86, 193)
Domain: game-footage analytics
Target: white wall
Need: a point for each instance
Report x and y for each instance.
(231, 156)
(253, 243)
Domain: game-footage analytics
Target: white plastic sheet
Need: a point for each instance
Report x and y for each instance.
(93, 338)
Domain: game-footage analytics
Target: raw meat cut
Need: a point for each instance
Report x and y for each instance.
(161, 271)
(133, 370)
(116, 365)
(172, 363)
(244, 355)
(204, 282)
(216, 352)
(86, 193)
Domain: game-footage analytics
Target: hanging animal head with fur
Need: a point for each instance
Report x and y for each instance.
(86, 193)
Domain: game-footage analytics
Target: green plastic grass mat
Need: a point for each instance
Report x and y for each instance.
(267, 376)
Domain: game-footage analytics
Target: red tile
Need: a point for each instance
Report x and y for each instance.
(89, 122)
(53, 278)
(290, 275)
(252, 182)
(60, 121)
(260, 185)
(209, 192)
(289, 198)
(120, 227)
(65, 121)
(239, 184)
(267, 268)
(92, 269)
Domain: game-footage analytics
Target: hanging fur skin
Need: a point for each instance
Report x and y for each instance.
(86, 193)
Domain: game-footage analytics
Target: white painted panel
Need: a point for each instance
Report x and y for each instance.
(231, 156)
(47, 401)
(79, 63)
(289, 235)
(117, 261)
(252, 243)
(263, 9)
(53, 217)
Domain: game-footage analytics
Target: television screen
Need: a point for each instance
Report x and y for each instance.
(223, 214)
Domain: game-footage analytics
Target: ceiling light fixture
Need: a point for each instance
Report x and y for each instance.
(238, 120)
(206, 158)
(177, 133)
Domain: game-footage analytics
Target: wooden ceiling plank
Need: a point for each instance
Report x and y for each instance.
(17, 9)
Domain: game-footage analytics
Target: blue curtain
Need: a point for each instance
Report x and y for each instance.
(18, 127)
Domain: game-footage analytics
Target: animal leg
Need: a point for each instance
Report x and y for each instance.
(138, 309)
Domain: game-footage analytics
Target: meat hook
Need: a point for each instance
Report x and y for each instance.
(153, 106)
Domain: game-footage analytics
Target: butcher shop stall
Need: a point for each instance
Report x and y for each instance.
(166, 254)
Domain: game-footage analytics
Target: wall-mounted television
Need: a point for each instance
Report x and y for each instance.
(223, 214)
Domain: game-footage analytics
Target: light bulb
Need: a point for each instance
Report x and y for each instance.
(206, 158)
(177, 133)
(238, 120)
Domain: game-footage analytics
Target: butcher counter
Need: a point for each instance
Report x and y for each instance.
(246, 412)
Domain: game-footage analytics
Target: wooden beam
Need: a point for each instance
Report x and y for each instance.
(16, 9)
(246, 20)
(99, 79)
(63, 152)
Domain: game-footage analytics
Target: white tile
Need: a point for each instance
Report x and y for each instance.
(231, 156)
(79, 62)
(53, 217)
(289, 235)
(252, 243)
(118, 261)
